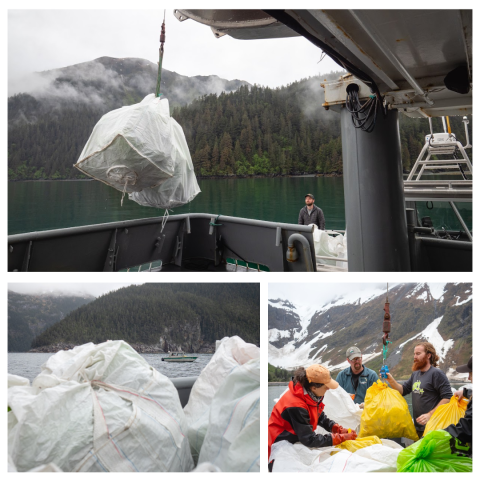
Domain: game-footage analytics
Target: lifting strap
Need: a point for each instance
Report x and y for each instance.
(160, 60)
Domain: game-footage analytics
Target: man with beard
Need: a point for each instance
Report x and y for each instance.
(310, 213)
(356, 378)
(429, 386)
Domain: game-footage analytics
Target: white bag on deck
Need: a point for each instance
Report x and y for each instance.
(140, 148)
(327, 246)
(230, 352)
(98, 408)
(298, 458)
(232, 441)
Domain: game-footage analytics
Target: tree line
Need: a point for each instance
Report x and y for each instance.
(252, 131)
(144, 313)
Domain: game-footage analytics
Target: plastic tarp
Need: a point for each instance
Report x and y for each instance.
(386, 414)
(298, 458)
(433, 453)
(232, 441)
(98, 408)
(447, 414)
(230, 352)
(329, 246)
(141, 150)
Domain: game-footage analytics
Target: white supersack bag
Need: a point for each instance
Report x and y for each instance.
(98, 408)
(232, 441)
(327, 246)
(230, 352)
(340, 407)
(141, 147)
(298, 458)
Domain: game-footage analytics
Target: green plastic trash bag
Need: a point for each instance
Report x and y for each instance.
(436, 452)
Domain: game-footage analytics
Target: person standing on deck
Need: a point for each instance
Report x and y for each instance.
(429, 386)
(310, 213)
(356, 378)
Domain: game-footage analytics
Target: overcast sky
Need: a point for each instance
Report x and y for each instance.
(41, 40)
(95, 289)
(315, 294)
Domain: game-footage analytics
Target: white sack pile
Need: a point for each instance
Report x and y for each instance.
(298, 458)
(98, 408)
(223, 409)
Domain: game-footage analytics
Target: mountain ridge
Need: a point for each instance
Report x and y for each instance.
(417, 312)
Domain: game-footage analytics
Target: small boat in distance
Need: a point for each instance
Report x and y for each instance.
(178, 357)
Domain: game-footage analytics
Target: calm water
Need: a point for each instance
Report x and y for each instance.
(28, 365)
(274, 391)
(35, 206)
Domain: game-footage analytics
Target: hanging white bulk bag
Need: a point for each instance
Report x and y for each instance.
(139, 147)
(232, 441)
(179, 189)
(99, 408)
(230, 352)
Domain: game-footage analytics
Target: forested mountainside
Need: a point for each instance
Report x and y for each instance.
(245, 130)
(188, 317)
(29, 315)
(439, 313)
(49, 124)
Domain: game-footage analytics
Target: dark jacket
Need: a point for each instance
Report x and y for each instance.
(365, 381)
(462, 431)
(315, 217)
(295, 417)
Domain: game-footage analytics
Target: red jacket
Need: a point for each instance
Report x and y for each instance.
(295, 417)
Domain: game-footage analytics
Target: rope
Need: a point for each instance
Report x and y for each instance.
(123, 194)
(214, 223)
(164, 219)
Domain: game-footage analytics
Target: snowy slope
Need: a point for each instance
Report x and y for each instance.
(317, 339)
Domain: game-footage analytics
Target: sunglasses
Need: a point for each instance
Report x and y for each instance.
(316, 385)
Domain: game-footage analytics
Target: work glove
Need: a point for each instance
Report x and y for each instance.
(338, 438)
(339, 429)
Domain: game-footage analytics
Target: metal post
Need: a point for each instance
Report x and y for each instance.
(374, 199)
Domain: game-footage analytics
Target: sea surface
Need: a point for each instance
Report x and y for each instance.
(47, 205)
(36, 206)
(274, 392)
(29, 365)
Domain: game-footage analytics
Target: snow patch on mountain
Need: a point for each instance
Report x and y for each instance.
(274, 334)
(432, 335)
(415, 290)
(290, 357)
(355, 297)
(437, 290)
(423, 296)
(462, 302)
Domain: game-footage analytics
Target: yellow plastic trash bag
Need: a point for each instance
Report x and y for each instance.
(447, 414)
(386, 414)
(354, 445)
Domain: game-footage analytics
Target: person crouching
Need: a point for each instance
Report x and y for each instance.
(298, 412)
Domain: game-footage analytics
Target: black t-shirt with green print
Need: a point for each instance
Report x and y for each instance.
(427, 389)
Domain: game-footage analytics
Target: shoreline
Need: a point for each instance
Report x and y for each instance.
(218, 177)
